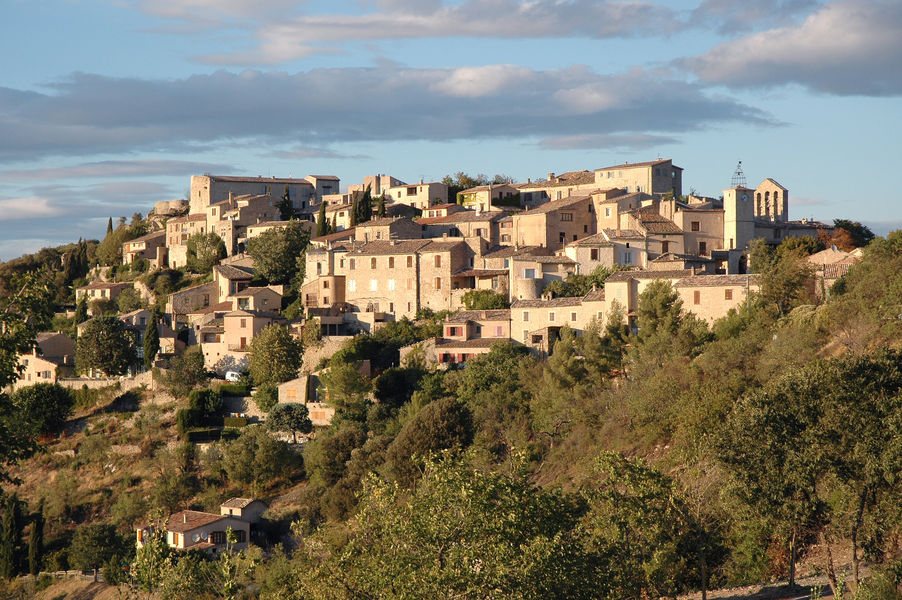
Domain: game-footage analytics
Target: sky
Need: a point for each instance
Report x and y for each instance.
(107, 106)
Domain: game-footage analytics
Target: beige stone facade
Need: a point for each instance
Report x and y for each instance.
(556, 187)
(484, 197)
(211, 189)
(419, 195)
(657, 177)
(53, 357)
(387, 228)
(710, 297)
(555, 223)
(530, 275)
(465, 223)
(146, 247)
(100, 291)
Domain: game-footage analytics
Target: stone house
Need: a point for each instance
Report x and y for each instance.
(629, 246)
(420, 195)
(196, 530)
(710, 297)
(246, 509)
(231, 280)
(151, 247)
(268, 298)
(190, 299)
(465, 223)
(556, 187)
(657, 177)
(530, 275)
(484, 197)
(387, 228)
(211, 189)
(226, 342)
(555, 223)
(178, 231)
(100, 290)
(378, 184)
(442, 210)
(52, 357)
(591, 252)
(536, 322)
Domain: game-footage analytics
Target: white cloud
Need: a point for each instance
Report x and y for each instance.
(734, 16)
(114, 168)
(12, 209)
(620, 142)
(851, 47)
(475, 82)
(280, 38)
(91, 114)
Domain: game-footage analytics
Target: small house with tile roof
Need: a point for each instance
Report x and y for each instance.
(151, 247)
(246, 509)
(197, 530)
(656, 177)
(555, 223)
(52, 357)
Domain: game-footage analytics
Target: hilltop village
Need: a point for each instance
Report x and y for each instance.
(242, 369)
(413, 249)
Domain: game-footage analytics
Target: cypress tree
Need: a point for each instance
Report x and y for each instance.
(109, 226)
(334, 226)
(322, 226)
(36, 541)
(81, 311)
(354, 209)
(10, 537)
(151, 340)
(380, 207)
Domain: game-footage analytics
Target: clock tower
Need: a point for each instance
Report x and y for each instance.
(738, 217)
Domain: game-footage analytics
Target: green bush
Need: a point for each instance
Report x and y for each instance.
(234, 421)
(266, 397)
(233, 389)
(185, 420)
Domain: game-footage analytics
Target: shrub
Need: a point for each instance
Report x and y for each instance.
(267, 397)
(234, 421)
(233, 389)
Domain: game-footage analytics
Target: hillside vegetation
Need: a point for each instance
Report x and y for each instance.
(628, 464)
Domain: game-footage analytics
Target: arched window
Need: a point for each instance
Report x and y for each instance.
(767, 204)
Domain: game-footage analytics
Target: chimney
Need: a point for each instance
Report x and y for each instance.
(421, 181)
(551, 176)
(184, 517)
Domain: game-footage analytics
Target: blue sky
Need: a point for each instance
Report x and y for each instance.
(109, 105)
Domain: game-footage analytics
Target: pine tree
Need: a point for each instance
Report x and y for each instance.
(151, 340)
(322, 225)
(36, 541)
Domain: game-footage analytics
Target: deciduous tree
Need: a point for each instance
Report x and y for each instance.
(105, 345)
(290, 417)
(275, 355)
(276, 252)
(44, 407)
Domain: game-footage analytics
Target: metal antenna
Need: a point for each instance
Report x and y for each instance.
(738, 177)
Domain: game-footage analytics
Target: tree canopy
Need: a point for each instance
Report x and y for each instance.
(105, 345)
(204, 251)
(275, 355)
(278, 252)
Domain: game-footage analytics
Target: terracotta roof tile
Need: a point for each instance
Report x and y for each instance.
(187, 520)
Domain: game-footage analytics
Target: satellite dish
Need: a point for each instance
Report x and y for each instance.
(196, 537)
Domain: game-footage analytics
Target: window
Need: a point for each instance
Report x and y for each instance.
(695, 226)
(585, 229)
(499, 330)
(391, 285)
(627, 258)
(562, 237)
(525, 334)
(529, 273)
(351, 267)
(438, 283)
(696, 297)
(326, 284)
(243, 323)
(352, 285)
(551, 316)
(319, 268)
(438, 261)
(373, 263)
(505, 237)
(391, 262)
(593, 254)
(573, 317)
(665, 246)
(702, 248)
(409, 285)
(566, 216)
(525, 316)
(374, 285)
(217, 537)
(607, 211)
(409, 261)
(728, 294)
